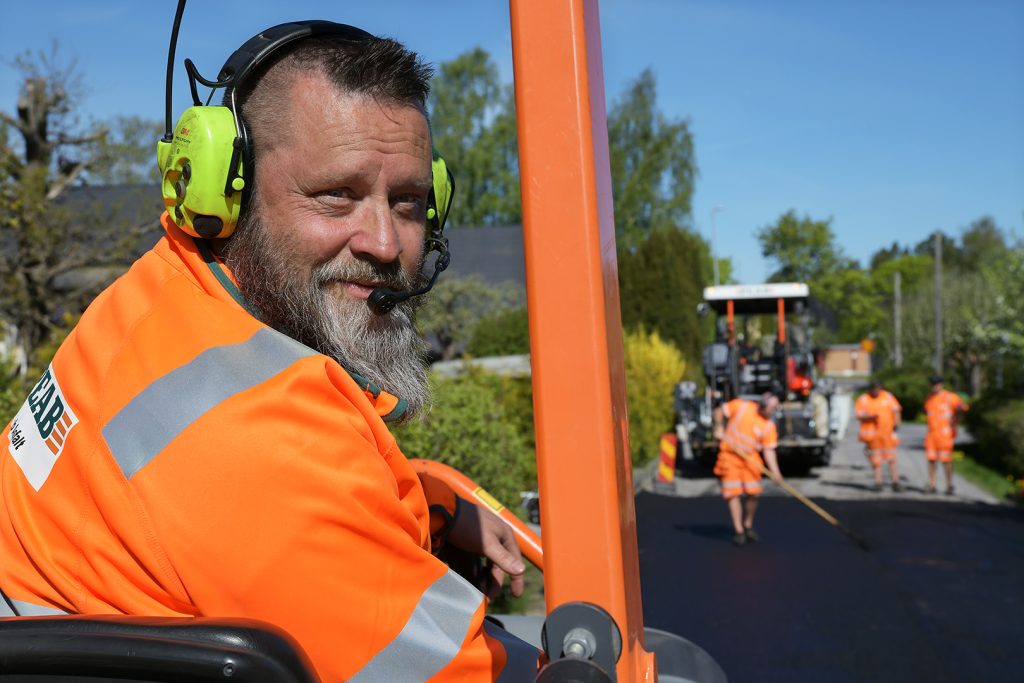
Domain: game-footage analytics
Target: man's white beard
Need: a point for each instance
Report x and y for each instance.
(384, 349)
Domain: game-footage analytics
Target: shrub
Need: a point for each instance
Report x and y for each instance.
(997, 425)
(472, 428)
(503, 334)
(653, 367)
(13, 390)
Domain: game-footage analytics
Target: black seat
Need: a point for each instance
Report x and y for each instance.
(148, 649)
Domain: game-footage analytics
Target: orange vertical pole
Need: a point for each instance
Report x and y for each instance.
(583, 462)
(781, 307)
(730, 320)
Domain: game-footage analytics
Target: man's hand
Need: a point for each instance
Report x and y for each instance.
(483, 533)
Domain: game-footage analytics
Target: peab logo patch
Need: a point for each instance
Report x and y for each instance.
(40, 429)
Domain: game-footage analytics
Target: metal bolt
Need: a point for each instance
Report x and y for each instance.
(579, 643)
(228, 670)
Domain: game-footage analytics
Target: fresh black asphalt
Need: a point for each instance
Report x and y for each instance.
(940, 597)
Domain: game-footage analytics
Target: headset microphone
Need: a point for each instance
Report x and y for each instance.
(382, 299)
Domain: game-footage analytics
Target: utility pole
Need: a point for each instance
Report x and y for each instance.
(714, 239)
(938, 302)
(897, 320)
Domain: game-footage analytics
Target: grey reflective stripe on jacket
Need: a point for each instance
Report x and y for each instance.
(431, 638)
(164, 409)
(9, 607)
(521, 657)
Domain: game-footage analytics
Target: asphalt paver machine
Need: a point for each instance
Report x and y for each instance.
(737, 366)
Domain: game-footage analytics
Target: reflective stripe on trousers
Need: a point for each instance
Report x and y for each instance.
(433, 636)
(170, 404)
(9, 607)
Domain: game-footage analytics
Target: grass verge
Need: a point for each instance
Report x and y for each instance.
(1002, 486)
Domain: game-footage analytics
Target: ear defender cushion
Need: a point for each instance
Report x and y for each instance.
(443, 192)
(201, 172)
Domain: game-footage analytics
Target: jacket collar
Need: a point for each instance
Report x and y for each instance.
(215, 276)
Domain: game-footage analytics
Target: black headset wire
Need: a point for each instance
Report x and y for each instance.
(168, 128)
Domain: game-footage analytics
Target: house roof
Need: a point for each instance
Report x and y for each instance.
(495, 253)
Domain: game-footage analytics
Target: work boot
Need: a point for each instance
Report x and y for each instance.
(752, 536)
(949, 490)
(930, 488)
(877, 487)
(897, 487)
(739, 539)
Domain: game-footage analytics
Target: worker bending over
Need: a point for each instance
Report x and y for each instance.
(748, 435)
(212, 438)
(879, 414)
(944, 409)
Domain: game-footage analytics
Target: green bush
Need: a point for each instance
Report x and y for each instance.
(13, 390)
(910, 387)
(11, 398)
(997, 425)
(653, 367)
(477, 427)
(505, 333)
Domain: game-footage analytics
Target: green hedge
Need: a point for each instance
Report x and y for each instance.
(478, 425)
(997, 425)
(653, 367)
(504, 334)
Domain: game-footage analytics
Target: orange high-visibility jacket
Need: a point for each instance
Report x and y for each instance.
(179, 457)
(747, 431)
(883, 407)
(941, 408)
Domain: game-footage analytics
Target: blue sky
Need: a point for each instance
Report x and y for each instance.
(892, 118)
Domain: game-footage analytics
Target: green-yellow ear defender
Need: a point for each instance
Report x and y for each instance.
(205, 161)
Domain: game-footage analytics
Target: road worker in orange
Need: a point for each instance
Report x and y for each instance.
(746, 434)
(879, 414)
(212, 438)
(944, 409)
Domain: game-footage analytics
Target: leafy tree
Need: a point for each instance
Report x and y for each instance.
(802, 249)
(952, 257)
(455, 307)
(980, 244)
(474, 124)
(661, 282)
(886, 254)
(652, 163)
(44, 151)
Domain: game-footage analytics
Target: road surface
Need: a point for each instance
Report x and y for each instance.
(939, 597)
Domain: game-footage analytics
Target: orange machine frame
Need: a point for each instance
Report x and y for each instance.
(583, 461)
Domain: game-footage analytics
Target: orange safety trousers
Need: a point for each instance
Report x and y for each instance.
(179, 458)
(746, 433)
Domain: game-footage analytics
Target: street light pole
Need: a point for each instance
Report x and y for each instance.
(714, 239)
(938, 302)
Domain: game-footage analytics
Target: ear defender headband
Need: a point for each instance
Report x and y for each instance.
(206, 162)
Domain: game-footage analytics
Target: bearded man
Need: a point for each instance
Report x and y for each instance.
(212, 438)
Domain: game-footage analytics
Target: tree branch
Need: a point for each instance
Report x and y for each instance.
(60, 185)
